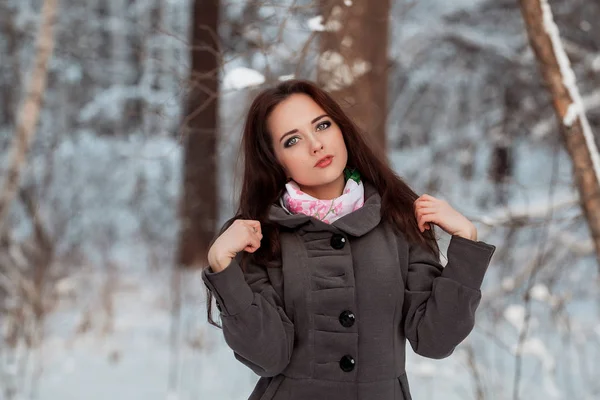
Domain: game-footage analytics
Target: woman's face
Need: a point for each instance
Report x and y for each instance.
(302, 134)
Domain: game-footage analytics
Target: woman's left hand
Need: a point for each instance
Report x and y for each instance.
(429, 209)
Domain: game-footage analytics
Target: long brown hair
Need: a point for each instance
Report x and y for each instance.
(264, 178)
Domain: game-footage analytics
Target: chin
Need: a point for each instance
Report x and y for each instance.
(328, 177)
(320, 177)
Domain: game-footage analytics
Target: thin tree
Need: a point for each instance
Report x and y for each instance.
(29, 112)
(574, 127)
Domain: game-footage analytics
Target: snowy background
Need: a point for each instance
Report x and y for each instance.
(105, 169)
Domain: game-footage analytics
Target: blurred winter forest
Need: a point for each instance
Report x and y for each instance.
(120, 124)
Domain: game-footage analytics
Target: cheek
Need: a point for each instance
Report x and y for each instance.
(281, 159)
(340, 141)
(295, 163)
(288, 160)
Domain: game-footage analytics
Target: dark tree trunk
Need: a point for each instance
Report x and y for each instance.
(199, 129)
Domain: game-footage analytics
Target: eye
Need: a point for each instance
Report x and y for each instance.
(326, 123)
(320, 126)
(288, 143)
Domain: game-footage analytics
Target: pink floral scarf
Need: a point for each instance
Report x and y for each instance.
(296, 201)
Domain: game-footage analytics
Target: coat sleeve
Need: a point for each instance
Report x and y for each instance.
(440, 302)
(255, 325)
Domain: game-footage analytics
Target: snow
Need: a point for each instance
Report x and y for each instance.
(585, 26)
(425, 370)
(334, 23)
(531, 208)
(571, 115)
(316, 24)
(241, 78)
(508, 284)
(535, 346)
(540, 292)
(596, 63)
(343, 73)
(515, 314)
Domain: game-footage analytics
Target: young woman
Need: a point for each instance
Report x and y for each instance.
(332, 262)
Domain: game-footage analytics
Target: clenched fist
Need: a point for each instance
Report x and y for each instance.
(243, 234)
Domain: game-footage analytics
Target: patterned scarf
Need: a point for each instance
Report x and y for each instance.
(296, 201)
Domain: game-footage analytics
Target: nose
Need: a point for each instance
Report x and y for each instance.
(316, 145)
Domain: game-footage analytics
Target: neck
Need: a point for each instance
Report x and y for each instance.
(328, 191)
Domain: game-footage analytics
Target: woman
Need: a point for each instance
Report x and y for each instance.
(331, 262)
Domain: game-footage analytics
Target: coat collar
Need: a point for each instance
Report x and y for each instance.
(356, 223)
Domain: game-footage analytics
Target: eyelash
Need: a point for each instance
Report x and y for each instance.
(287, 143)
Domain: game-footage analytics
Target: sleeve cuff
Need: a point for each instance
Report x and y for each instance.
(231, 291)
(468, 261)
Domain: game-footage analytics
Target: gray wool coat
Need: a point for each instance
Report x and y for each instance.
(332, 322)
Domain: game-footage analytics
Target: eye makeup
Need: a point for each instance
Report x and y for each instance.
(287, 143)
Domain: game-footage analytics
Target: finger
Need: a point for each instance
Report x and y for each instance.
(255, 233)
(419, 214)
(427, 210)
(254, 241)
(426, 203)
(250, 228)
(423, 221)
(255, 225)
(422, 202)
(252, 246)
(421, 198)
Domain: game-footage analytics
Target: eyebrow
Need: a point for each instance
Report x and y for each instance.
(296, 130)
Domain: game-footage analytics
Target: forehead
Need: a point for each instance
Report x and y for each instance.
(293, 113)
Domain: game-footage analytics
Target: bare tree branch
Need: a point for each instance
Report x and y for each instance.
(30, 110)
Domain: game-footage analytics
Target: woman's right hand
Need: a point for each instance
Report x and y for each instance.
(243, 234)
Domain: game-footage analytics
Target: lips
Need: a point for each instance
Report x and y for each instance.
(326, 158)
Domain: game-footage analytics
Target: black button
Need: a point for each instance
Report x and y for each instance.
(338, 241)
(347, 363)
(347, 318)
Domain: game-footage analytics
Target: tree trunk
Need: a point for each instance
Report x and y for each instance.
(199, 129)
(29, 113)
(353, 65)
(575, 128)
(9, 68)
(152, 121)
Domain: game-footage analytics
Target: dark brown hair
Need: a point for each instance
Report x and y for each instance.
(264, 178)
